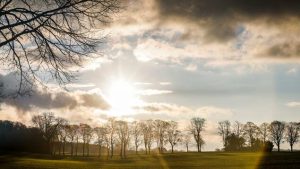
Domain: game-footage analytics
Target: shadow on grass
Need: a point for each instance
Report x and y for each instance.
(280, 160)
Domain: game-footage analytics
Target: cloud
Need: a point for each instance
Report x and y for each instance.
(142, 83)
(191, 67)
(76, 85)
(221, 18)
(45, 99)
(292, 71)
(229, 34)
(149, 92)
(176, 112)
(165, 83)
(293, 104)
(215, 113)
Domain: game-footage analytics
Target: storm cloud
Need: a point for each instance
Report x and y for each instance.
(221, 18)
(46, 98)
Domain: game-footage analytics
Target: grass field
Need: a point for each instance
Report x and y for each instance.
(207, 160)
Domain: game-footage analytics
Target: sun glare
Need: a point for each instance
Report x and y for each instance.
(122, 97)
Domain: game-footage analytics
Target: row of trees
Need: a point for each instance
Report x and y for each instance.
(249, 136)
(117, 133)
(56, 135)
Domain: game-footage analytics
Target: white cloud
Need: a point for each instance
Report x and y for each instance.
(292, 71)
(165, 83)
(293, 104)
(149, 92)
(78, 85)
(191, 67)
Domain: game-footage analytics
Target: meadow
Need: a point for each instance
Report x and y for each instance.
(205, 160)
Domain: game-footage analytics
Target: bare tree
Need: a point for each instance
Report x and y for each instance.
(62, 137)
(49, 125)
(250, 131)
(51, 35)
(148, 134)
(292, 133)
(276, 129)
(72, 131)
(122, 130)
(111, 129)
(186, 140)
(160, 132)
(100, 134)
(264, 131)
(136, 131)
(237, 128)
(173, 134)
(85, 131)
(224, 130)
(196, 127)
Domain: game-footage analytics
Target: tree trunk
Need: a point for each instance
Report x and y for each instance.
(88, 149)
(112, 150)
(83, 147)
(72, 147)
(99, 150)
(59, 148)
(187, 148)
(124, 150)
(121, 150)
(64, 143)
(291, 147)
(136, 149)
(76, 149)
(172, 149)
(278, 147)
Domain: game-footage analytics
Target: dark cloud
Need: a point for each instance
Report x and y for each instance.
(283, 51)
(220, 18)
(45, 99)
(94, 100)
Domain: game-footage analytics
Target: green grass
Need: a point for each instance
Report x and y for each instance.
(207, 160)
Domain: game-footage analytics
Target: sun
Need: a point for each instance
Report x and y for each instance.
(122, 97)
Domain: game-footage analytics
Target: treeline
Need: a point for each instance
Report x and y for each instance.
(15, 136)
(251, 137)
(56, 136)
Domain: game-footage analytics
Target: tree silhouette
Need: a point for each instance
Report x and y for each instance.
(277, 132)
(196, 127)
(50, 35)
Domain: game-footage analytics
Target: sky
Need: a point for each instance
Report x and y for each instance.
(174, 60)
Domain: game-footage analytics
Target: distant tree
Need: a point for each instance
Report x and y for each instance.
(122, 130)
(86, 135)
(160, 133)
(136, 131)
(224, 130)
(186, 140)
(49, 125)
(62, 137)
(234, 143)
(237, 128)
(147, 132)
(268, 146)
(72, 131)
(50, 36)
(251, 132)
(292, 133)
(173, 134)
(276, 130)
(264, 131)
(100, 137)
(111, 129)
(196, 127)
